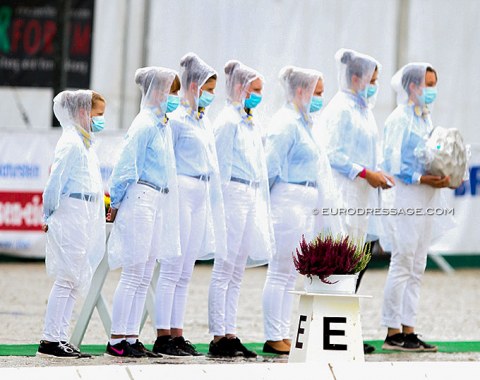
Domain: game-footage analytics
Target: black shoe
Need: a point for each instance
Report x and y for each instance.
(237, 345)
(270, 350)
(223, 349)
(123, 349)
(167, 346)
(413, 340)
(75, 349)
(141, 348)
(368, 348)
(56, 349)
(394, 342)
(186, 346)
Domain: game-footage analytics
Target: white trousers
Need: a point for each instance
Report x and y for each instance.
(129, 298)
(292, 211)
(227, 274)
(59, 311)
(409, 258)
(175, 273)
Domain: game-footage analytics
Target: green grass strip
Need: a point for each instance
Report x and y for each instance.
(99, 349)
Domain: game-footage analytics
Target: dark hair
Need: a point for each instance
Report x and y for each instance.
(355, 65)
(175, 84)
(230, 66)
(213, 77)
(432, 70)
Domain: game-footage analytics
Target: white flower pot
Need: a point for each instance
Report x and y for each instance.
(339, 284)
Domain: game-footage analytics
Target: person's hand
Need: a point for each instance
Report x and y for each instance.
(44, 227)
(379, 179)
(435, 181)
(111, 214)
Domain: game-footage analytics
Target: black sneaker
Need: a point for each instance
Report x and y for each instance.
(186, 346)
(56, 349)
(237, 345)
(123, 349)
(223, 349)
(75, 349)
(141, 348)
(368, 348)
(413, 340)
(394, 342)
(168, 346)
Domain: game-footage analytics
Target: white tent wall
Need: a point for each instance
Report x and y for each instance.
(447, 34)
(270, 34)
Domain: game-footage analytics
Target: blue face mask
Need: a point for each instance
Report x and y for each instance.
(371, 90)
(172, 102)
(253, 100)
(368, 91)
(205, 99)
(429, 94)
(98, 123)
(316, 104)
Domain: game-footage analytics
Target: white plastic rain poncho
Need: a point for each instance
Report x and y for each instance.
(234, 130)
(73, 204)
(293, 156)
(196, 154)
(144, 177)
(348, 131)
(406, 132)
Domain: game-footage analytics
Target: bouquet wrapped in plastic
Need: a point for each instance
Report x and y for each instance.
(445, 154)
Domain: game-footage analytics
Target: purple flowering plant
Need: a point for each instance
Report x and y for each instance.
(326, 255)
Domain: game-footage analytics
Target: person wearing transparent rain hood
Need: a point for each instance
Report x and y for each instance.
(301, 181)
(406, 131)
(74, 215)
(246, 200)
(202, 217)
(144, 206)
(349, 132)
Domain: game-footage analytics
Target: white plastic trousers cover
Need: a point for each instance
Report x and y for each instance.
(411, 236)
(175, 272)
(139, 227)
(357, 195)
(292, 217)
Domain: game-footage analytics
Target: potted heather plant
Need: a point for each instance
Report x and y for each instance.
(331, 264)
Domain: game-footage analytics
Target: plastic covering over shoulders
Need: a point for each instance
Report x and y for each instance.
(348, 131)
(146, 155)
(406, 147)
(73, 197)
(347, 125)
(293, 155)
(231, 124)
(194, 74)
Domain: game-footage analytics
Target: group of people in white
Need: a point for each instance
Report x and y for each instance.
(184, 190)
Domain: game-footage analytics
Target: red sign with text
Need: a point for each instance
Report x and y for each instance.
(20, 211)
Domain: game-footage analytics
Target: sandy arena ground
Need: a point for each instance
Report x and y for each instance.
(449, 311)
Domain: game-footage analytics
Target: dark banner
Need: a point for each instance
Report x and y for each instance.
(29, 42)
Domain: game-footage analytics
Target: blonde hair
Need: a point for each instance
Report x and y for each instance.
(96, 97)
